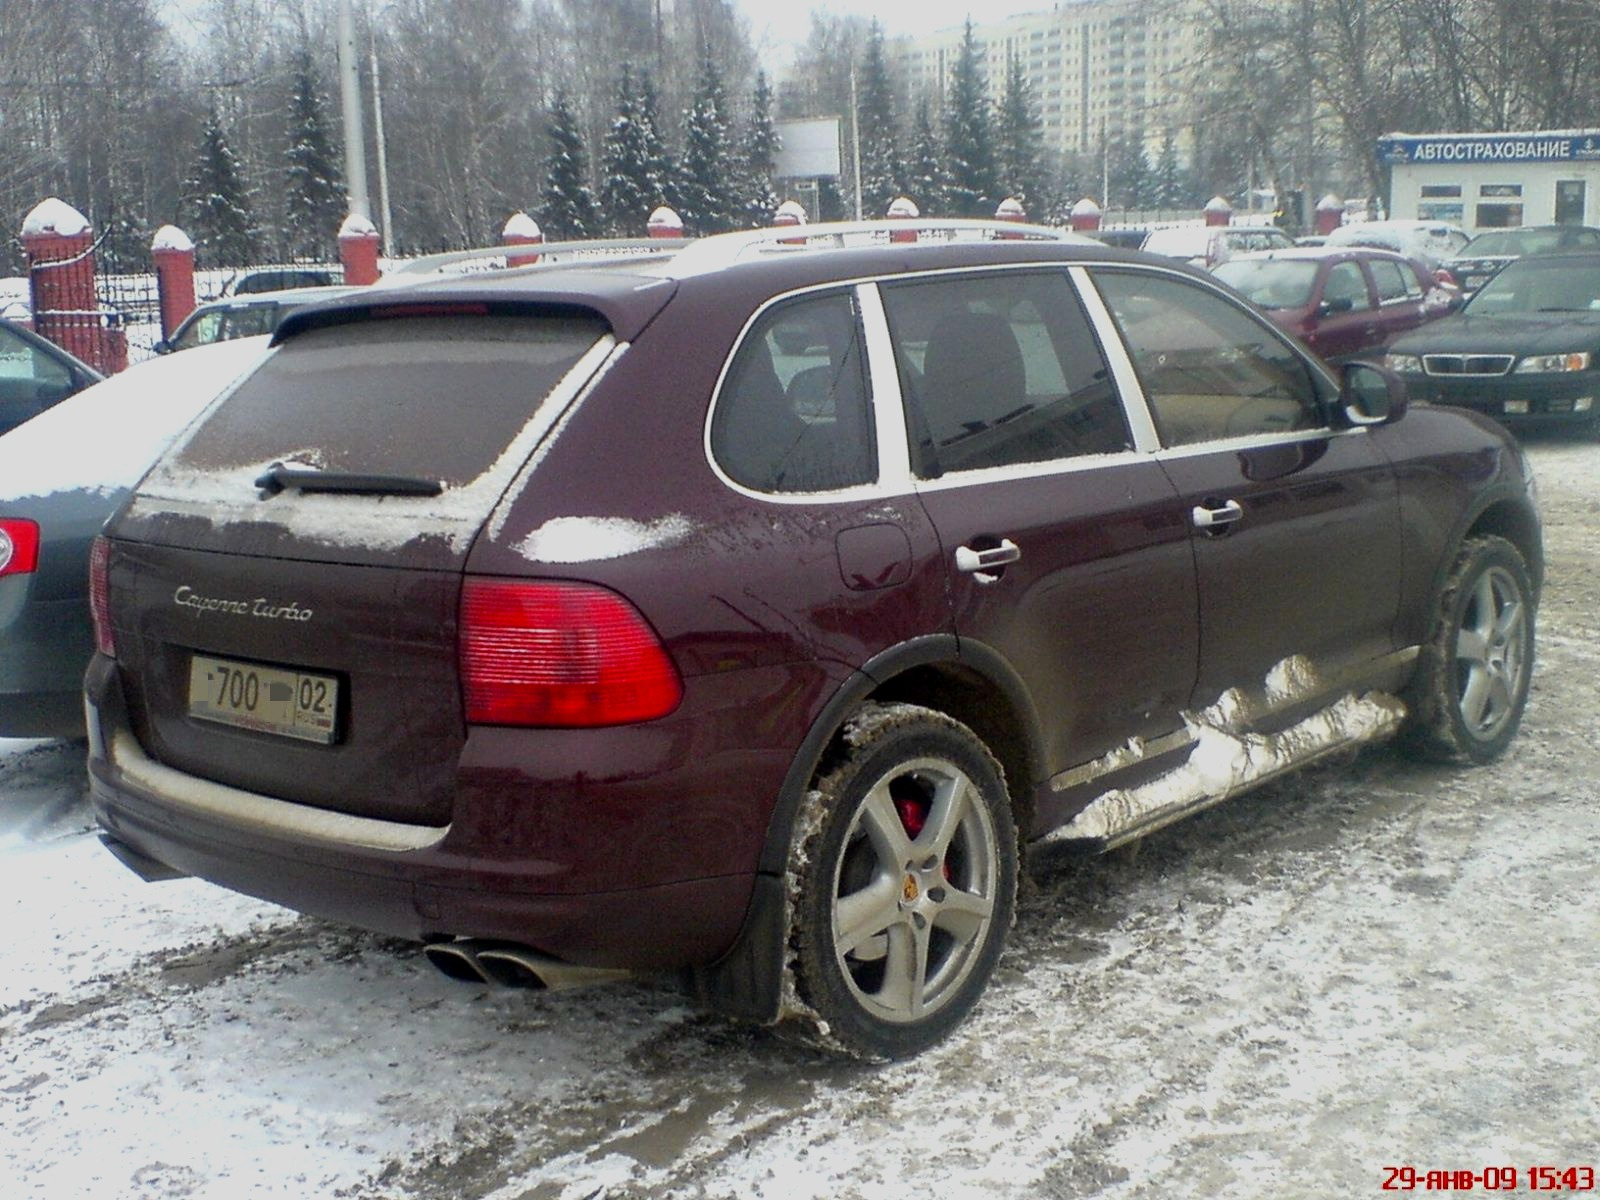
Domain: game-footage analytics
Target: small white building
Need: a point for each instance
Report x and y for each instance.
(1494, 180)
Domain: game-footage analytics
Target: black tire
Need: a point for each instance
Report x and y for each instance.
(1471, 685)
(904, 883)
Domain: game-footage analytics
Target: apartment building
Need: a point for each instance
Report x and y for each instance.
(1099, 70)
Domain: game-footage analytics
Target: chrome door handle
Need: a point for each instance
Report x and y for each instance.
(980, 562)
(1212, 518)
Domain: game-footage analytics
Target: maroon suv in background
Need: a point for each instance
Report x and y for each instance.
(745, 609)
(1342, 302)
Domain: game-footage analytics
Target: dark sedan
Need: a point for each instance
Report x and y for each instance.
(35, 374)
(1525, 349)
(1488, 253)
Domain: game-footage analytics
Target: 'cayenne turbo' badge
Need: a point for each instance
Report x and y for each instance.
(187, 597)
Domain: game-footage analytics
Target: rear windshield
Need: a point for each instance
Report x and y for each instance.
(437, 397)
(1271, 283)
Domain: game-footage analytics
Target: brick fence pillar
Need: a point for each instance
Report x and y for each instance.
(521, 230)
(358, 250)
(790, 212)
(665, 223)
(903, 208)
(174, 258)
(1329, 215)
(1086, 215)
(1011, 210)
(59, 244)
(1218, 211)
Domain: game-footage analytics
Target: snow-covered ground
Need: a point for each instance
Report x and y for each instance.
(1374, 964)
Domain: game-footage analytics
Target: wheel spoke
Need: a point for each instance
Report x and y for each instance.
(1472, 646)
(951, 802)
(881, 821)
(1508, 628)
(904, 979)
(1483, 596)
(867, 913)
(1475, 696)
(963, 914)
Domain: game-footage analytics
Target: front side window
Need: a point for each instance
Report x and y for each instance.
(1209, 368)
(794, 412)
(1390, 280)
(1000, 370)
(1346, 288)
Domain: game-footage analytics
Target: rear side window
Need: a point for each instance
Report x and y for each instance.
(793, 414)
(1390, 280)
(1346, 287)
(438, 397)
(999, 370)
(1209, 369)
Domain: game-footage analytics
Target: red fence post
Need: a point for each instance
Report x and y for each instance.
(1086, 215)
(1011, 210)
(790, 212)
(664, 223)
(174, 257)
(521, 230)
(358, 250)
(1330, 214)
(1218, 211)
(59, 245)
(903, 208)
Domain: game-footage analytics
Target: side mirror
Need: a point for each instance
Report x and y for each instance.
(1339, 304)
(1371, 394)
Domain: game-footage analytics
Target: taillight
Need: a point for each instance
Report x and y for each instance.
(19, 546)
(99, 599)
(560, 654)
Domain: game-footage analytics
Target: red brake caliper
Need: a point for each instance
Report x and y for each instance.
(914, 816)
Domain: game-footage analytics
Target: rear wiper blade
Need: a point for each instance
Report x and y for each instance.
(280, 476)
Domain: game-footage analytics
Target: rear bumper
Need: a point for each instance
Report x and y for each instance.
(416, 881)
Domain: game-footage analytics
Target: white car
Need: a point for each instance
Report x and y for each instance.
(1208, 245)
(1430, 241)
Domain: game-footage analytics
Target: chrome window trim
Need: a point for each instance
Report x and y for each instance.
(1315, 367)
(883, 378)
(1135, 404)
(878, 488)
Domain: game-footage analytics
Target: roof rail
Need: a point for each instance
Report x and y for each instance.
(724, 248)
(548, 253)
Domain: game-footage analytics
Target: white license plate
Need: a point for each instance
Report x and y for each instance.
(267, 699)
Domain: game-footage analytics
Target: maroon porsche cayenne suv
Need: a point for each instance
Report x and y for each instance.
(745, 610)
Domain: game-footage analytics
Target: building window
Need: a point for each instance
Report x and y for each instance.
(1499, 205)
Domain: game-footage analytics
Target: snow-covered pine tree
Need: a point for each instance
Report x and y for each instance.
(706, 187)
(567, 206)
(216, 206)
(882, 168)
(924, 179)
(757, 152)
(315, 203)
(1019, 143)
(969, 136)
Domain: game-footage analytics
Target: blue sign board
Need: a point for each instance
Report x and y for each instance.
(1456, 149)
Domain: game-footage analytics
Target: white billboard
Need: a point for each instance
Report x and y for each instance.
(810, 149)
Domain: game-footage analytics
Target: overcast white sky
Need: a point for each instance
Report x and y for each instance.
(778, 26)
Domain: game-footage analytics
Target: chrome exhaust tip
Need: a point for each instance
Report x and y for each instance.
(517, 966)
(456, 960)
(509, 965)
